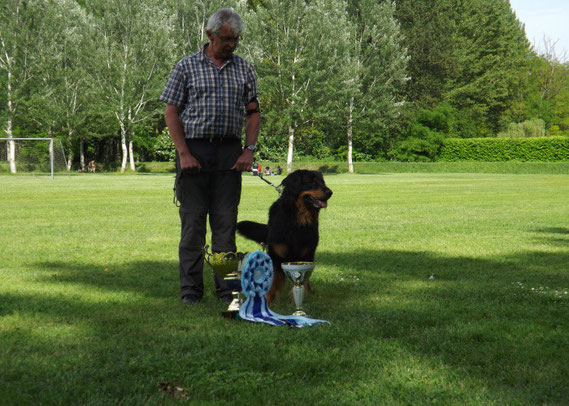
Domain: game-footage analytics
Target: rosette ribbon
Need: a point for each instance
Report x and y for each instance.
(256, 279)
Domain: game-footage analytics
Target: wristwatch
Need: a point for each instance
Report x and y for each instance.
(250, 148)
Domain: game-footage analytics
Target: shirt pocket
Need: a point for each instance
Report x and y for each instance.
(234, 90)
(201, 90)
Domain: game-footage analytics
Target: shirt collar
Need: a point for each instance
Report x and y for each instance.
(204, 57)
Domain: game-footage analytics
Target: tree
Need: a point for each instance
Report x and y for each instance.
(295, 47)
(465, 52)
(62, 92)
(21, 38)
(426, 134)
(491, 48)
(190, 20)
(430, 31)
(375, 71)
(134, 42)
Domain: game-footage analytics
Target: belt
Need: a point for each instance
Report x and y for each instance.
(216, 140)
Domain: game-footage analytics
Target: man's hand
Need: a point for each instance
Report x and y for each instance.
(189, 164)
(244, 161)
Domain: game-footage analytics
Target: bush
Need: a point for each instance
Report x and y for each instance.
(426, 135)
(164, 149)
(312, 142)
(527, 129)
(544, 149)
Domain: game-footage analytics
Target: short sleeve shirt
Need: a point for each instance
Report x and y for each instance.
(212, 99)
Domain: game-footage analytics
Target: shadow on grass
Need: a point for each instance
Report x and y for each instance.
(148, 278)
(471, 333)
(558, 236)
(553, 230)
(485, 318)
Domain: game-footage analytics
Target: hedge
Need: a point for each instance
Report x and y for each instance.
(543, 149)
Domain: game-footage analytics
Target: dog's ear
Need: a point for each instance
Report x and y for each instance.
(292, 185)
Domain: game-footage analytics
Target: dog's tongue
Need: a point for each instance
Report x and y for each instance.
(322, 204)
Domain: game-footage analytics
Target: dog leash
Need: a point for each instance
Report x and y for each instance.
(279, 189)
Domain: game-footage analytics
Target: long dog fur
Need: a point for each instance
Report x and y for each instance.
(291, 234)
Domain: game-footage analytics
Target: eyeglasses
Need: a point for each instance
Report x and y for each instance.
(229, 39)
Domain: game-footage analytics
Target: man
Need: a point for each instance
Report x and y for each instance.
(207, 96)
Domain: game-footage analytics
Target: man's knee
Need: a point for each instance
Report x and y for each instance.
(193, 231)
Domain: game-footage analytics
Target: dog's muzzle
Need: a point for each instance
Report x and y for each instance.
(323, 202)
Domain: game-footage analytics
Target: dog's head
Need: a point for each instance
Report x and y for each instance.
(307, 189)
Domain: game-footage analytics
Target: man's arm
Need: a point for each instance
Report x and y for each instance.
(187, 161)
(252, 121)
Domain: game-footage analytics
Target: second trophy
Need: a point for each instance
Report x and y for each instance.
(298, 272)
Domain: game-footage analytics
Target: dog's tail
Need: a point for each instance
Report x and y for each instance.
(254, 231)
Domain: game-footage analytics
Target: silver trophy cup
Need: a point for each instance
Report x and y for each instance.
(298, 272)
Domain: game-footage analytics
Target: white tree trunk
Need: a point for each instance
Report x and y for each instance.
(122, 110)
(350, 137)
(131, 156)
(70, 156)
(124, 147)
(290, 148)
(82, 153)
(11, 144)
(11, 148)
(69, 161)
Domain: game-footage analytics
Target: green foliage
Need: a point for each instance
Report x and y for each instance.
(480, 50)
(527, 129)
(491, 47)
(545, 149)
(426, 134)
(90, 71)
(431, 68)
(357, 156)
(370, 144)
(164, 149)
(541, 91)
(313, 142)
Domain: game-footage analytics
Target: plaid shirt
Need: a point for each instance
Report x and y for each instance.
(213, 99)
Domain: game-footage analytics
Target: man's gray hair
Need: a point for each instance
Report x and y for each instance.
(225, 16)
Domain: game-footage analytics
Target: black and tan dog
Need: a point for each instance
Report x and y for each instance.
(292, 232)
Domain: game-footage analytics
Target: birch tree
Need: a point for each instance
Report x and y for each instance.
(21, 36)
(295, 47)
(61, 94)
(375, 71)
(134, 41)
(190, 20)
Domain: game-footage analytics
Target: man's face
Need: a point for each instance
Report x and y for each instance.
(224, 43)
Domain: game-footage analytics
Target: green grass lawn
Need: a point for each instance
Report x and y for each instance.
(90, 313)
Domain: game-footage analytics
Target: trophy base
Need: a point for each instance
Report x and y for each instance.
(232, 311)
(299, 313)
(235, 305)
(231, 314)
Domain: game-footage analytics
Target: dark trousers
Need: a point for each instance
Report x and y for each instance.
(215, 191)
